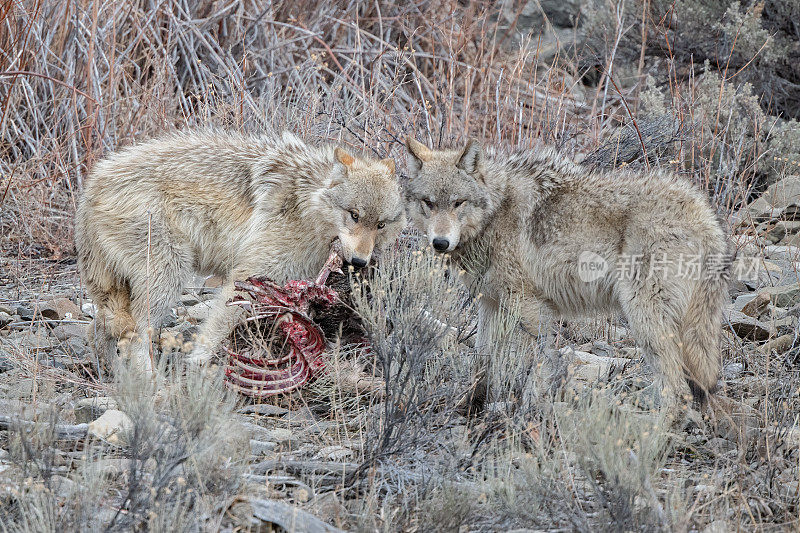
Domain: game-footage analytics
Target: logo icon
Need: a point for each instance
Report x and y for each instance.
(591, 266)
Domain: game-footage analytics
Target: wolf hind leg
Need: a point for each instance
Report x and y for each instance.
(111, 296)
(112, 322)
(654, 318)
(153, 296)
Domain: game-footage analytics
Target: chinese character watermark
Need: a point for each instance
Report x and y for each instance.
(630, 267)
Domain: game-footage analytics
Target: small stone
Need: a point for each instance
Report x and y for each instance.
(63, 332)
(261, 447)
(733, 371)
(602, 348)
(88, 409)
(757, 305)
(35, 340)
(213, 282)
(280, 435)
(779, 345)
(783, 295)
(747, 327)
(77, 346)
(197, 313)
(785, 325)
(188, 300)
(743, 299)
(111, 427)
(60, 309)
(7, 309)
(5, 319)
(334, 453)
(590, 367)
(24, 312)
(89, 309)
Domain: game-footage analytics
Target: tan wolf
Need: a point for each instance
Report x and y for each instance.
(560, 239)
(225, 204)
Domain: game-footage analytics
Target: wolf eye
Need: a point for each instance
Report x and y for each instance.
(458, 203)
(381, 225)
(428, 204)
(354, 216)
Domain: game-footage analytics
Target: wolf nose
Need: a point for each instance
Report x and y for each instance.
(440, 244)
(358, 262)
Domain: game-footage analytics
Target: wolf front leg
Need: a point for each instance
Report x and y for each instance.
(220, 322)
(488, 312)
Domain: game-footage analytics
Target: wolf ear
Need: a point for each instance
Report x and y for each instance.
(471, 157)
(388, 163)
(339, 173)
(418, 153)
(343, 157)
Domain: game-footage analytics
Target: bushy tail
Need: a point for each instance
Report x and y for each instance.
(110, 294)
(702, 325)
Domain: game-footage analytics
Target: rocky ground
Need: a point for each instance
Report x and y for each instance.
(304, 448)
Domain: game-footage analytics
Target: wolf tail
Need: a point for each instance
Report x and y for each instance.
(702, 323)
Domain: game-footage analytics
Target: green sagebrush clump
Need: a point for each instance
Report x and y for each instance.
(534, 453)
(175, 462)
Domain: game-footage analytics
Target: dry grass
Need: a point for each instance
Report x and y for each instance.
(79, 79)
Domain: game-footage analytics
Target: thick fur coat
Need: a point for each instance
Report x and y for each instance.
(559, 239)
(225, 204)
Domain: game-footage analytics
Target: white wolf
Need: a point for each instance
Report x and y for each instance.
(226, 204)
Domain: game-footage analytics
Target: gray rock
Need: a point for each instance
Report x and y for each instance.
(7, 309)
(789, 253)
(757, 305)
(733, 371)
(260, 447)
(77, 346)
(780, 200)
(89, 309)
(289, 517)
(280, 435)
(33, 340)
(63, 332)
(5, 319)
(24, 312)
(743, 299)
(88, 409)
(188, 300)
(784, 295)
(112, 427)
(60, 309)
(747, 327)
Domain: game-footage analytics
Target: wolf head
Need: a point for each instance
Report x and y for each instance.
(364, 202)
(447, 194)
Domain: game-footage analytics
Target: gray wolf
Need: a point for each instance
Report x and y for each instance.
(558, 239)
(225, 204)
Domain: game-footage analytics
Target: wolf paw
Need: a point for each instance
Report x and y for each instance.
(199, 356)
